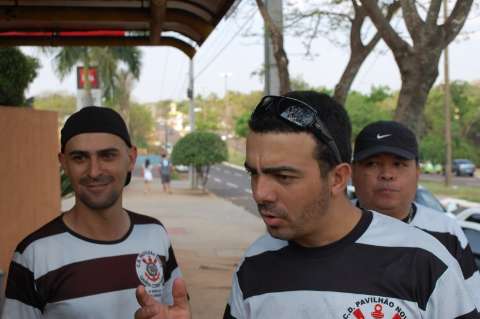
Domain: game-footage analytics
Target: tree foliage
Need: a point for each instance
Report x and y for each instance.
(465, 119)
(338, 20)
(63, 103)
(200, 149)
(17, 71)
(418, 53)
(107, 59)
(141, 125)
(365, 109)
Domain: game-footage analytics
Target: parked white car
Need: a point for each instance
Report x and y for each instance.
(469, 220)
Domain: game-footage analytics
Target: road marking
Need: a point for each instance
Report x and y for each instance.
(232, 185)
(218, 180)
(248, 190)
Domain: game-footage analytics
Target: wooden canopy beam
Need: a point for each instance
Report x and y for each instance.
(95, 41)
(157, 12)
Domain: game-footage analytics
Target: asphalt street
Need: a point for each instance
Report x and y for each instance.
(232, 184)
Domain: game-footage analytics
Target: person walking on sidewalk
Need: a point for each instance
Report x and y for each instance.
(165, 173)
(147, 176)
(322, 256)
(385, 175)
(87, 262)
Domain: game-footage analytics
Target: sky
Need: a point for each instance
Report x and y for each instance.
(229, 57)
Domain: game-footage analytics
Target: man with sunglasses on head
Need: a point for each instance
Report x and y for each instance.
(385, 175)
(323, 257)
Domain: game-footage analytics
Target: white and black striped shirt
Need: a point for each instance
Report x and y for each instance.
(448, 232)
(382, 269)
(56, 273)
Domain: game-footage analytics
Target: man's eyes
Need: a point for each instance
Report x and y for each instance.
(371, 164)
(78, 157)
(283, 178)
(109, 155)
(401, 164)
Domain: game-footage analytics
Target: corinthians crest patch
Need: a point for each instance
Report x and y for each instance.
(375, 308)
(150, 272)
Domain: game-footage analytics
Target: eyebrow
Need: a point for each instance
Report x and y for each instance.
(273, 170)
(102, 151)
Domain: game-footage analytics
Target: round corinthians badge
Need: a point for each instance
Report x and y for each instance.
(150, 272)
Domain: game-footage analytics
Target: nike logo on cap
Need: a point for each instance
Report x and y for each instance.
(379, 137)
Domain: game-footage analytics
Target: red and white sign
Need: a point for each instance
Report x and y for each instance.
(92, 77)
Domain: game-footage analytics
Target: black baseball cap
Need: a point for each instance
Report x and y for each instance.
(385, 137)
(95, 119)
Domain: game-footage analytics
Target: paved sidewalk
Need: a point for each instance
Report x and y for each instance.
(209, 236)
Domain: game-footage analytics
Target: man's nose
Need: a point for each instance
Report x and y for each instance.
(263, 189)
(95, 167)
(387, 172)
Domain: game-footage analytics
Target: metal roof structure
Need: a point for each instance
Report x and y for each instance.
(184, 24)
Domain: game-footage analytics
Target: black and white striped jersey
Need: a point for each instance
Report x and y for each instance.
(447, 231)
(382, 269)
(57, 274)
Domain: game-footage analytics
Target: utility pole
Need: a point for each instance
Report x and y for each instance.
(447, 100)
(228, 111)
(272, 79)
(191, 110)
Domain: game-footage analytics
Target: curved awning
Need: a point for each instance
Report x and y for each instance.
(184, 24)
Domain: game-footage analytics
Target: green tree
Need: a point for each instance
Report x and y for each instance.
(141, 125)
(241, 124)
(363, 110)
(200, 149)
(63, 103)
(298, 83)
(107, 60)
(17, 71)
(465, 123)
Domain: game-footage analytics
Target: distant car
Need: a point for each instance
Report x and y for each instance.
(181, 168)
(423, 197)
(463, 167)
(429, 168)
(469, 220)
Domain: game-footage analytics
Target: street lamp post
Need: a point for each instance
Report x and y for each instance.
(228, 111)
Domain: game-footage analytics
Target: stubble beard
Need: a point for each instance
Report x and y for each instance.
(98, 203)
(301, 226)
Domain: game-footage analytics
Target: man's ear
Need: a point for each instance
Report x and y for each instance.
(132, 155)
(61, 160)
(339, 177)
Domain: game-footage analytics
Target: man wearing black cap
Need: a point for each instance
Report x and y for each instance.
(87, 262)
(385, 175)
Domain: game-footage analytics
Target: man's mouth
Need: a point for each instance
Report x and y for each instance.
(387, 190)
(270, 218)
(96, 186)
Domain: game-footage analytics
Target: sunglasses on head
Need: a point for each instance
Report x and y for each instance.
(300, 114)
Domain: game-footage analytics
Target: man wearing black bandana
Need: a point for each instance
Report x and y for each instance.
(385, 174)
(88, 262)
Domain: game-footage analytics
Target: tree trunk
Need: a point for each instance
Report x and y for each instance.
(343, 86)
(419, 72)
(278, 49)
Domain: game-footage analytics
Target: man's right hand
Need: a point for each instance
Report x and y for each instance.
(152, 309)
